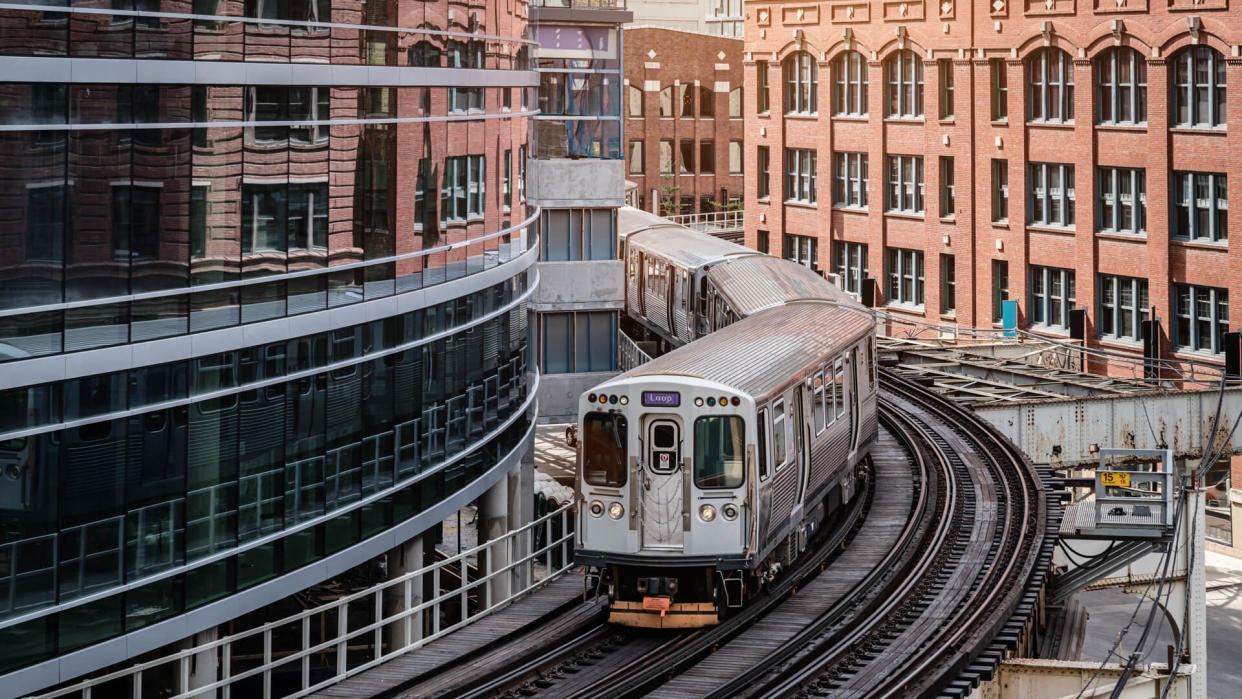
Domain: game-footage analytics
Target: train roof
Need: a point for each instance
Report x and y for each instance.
(762, 353)
(684, 247)
(757, 282)
(631, 220)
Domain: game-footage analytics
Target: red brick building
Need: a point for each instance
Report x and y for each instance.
(684, 119)
(1062, 155)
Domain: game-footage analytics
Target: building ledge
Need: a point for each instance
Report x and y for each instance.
(594, 15)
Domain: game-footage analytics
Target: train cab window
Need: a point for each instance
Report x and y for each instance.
(603, 449)
(762, 447)
(719, 445)
(838, 388)
(778, 433)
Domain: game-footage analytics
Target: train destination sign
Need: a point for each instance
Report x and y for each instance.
(661, 399)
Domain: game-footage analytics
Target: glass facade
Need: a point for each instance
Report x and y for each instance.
(206, 199)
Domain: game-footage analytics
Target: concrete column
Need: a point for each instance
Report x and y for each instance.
(201, 667)
(493, 523)
(405, 558)
(521, 512)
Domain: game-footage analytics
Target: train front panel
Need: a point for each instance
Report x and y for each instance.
(666, 483)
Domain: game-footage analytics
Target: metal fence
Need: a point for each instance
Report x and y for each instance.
(348, 634)
(629, 354)
(604, 4)
(711, 222)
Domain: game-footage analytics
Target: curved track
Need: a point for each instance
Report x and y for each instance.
(956, 537)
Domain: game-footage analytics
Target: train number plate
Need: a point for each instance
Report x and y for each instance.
(656, 604)
(1115, 478)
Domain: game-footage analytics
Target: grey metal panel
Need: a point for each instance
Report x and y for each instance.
(794, 339)
(756, 282)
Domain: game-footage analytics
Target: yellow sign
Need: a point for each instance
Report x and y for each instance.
(1115, 478)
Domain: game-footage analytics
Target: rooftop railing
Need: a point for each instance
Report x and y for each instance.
(596, 4)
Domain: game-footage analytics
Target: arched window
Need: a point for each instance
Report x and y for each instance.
(707, 102)
(635, 102)
(666, 101)
(903, 75)
(1050, 86)
(1199, 87)
(801, 80)
(1121, 85)
(849, 77)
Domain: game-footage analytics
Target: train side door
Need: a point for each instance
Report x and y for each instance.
(670, 298)
(854, 406)
(642, 284)
(802, 442)
(662, 496)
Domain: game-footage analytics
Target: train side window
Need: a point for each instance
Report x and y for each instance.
(778, 433)
(762, 447)
(820, 409)
(838, 389)
(874, 366)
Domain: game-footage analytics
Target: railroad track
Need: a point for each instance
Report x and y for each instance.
(943, 584)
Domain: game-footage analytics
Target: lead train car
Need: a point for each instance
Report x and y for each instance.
(705, 471)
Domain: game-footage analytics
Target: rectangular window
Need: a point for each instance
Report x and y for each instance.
(735, 157)
(849, 261)
(1000, 191)
(462, 190)
(506, 184)
(762, 242)
(666, 157)
(849, 180)
(763, 100)
(944, 67)
(1000, 288)
(905, 184)
(948, 285)
(905, 277)
(1000, 90)
(521, 183)
(578, 342)
(45, 221)
(308, 216)
(636, 102)
(578, 234)
(135, 223)
(1122, 200)
(1052, 297)
(947, 190)
(735, 103)
(686, 97)
(666, 102)
(800, 176)
(1202, 318)
(707, 157)
(1051, 195)
(1200, 206)
(1123, 307)
(803, 249)
(764, 185)
(635, 157)
(263, 218)
(687, 156)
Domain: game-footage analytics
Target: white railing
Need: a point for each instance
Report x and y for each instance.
(352, 636)
(713, 221)
(629, 354)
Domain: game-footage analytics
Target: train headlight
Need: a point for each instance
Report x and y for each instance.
(698, 402)
(707, 513)
(729, 511)
(624, 400)
(596, 508)
(615, 510)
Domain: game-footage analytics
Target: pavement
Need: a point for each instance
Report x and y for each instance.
(552, 455)
(1110, 610)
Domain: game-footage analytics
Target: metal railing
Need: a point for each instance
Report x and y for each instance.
(600, 4)
(538, 552)
(629, 354)
(712, 221)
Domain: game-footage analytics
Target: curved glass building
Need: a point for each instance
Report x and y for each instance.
(264, 268)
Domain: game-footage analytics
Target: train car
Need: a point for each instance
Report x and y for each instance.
(666, 268)
(704, 472)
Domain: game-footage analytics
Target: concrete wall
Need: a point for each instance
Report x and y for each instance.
(580, 286)
(586, 182)
(558, 394)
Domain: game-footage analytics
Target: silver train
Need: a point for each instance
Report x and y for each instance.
(704, 472)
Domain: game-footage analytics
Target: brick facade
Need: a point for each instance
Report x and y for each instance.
(706, 66)
(969, 42)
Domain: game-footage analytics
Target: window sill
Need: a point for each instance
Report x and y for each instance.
(948, 121)
(1124, 344)
(1199, 130)
(1131, 237)
(1004, 225)
(801, 204)
(904, 215)
(849, 209)
(859, 118)
(951, 220)
(950, 316)
(1197, 355)
(707, 174)
(999, 123)
(1056, 125)
(905, 120)
(763, 200)
(1054, 330)
(1122, 128)
(910, 308)
(1219, 245)
(1057, 230)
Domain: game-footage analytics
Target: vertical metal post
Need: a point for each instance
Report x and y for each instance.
(306, 626)
(377, 636)
(435, 605)
(267, 663)
(342, 639)
(227, 662)
(1196, 591)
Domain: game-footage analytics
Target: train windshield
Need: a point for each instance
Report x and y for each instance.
(719, 446)
(603, 449)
